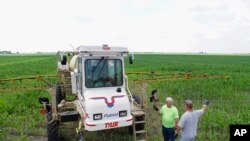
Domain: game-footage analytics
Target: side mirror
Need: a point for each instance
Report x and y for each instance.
(131, 59)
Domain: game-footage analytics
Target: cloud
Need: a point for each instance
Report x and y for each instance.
(86, 20)
(142, 25)
(142, 8)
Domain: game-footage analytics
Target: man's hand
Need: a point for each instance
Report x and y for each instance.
(206, 102)
(175, 135)
(178, 130)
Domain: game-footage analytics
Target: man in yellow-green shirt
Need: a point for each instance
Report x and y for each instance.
(170, 118)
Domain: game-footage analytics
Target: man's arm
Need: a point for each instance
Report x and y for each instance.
(178, 129)
(176, 123)
(176, 118)
(181, 124)
(204, 107)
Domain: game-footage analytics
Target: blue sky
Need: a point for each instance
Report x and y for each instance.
(213, 26)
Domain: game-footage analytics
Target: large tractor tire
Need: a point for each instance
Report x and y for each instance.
(59, 96)
(52, 128)
(137, 99)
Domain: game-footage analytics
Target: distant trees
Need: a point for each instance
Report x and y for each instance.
(5, 52)
(202, 52)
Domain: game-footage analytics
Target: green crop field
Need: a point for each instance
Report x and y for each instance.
(230, 98)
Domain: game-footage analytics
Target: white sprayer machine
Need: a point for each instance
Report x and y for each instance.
(93, 89)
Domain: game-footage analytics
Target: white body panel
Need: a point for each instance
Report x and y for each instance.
(96, 49)
(72, 63)
(108, 103)
(102, 51)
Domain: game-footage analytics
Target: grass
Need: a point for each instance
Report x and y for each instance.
(20, 118)
(230, 98)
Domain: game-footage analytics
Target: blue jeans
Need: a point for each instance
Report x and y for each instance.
(168, 133)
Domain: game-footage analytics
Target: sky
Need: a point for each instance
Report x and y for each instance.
(212, 26)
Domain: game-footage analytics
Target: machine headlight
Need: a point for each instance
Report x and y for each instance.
(123, 113)
(97, 116)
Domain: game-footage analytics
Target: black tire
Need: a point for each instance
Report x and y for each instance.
(59, 96)
(52, 128)
(137, 99)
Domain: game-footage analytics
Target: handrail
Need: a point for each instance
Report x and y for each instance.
(131, 97)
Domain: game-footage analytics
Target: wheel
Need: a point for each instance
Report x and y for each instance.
(59, 96)
(52, 128)
(137, 99)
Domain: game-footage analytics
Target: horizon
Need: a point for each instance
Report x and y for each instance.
(138, 52)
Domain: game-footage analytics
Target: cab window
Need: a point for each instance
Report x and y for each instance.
(103, 73)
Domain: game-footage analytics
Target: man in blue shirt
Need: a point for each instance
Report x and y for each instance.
(187, 126)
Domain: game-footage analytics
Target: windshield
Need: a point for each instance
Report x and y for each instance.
(103, 73)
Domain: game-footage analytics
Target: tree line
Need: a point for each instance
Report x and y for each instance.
(5, 52)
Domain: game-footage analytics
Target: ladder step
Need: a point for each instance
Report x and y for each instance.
(138, 122)
(140, 131)
(137, 113)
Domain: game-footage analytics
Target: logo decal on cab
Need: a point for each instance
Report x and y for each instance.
(109, 104)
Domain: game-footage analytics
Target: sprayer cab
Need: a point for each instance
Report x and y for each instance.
(98, 81)
(100, 86)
